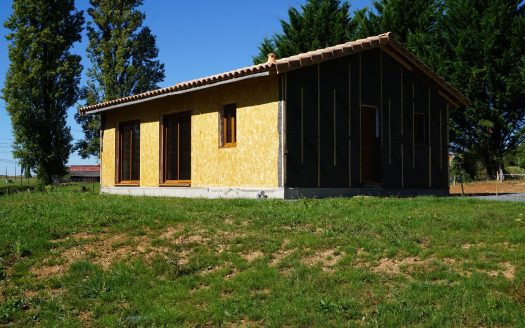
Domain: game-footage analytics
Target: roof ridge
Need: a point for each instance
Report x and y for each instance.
(283, 65)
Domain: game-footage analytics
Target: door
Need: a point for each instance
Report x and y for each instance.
(369, 136)
(177, 149)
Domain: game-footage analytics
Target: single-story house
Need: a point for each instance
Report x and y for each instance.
(84, 173)
(363, 117)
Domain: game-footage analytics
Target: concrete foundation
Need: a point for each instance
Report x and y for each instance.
(273, 193)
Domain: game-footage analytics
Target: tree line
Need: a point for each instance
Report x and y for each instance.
(476, 45)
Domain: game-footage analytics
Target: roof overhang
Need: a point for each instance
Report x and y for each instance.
(384, 41)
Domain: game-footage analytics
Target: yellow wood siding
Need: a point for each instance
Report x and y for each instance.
(252, 163)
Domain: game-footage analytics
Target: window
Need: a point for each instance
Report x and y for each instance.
(229, 126)
(419, 128)
(129, 152)
(176, 143)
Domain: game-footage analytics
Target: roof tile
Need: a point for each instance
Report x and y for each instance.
(287, 64)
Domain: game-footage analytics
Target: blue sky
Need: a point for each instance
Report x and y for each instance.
(195, 39)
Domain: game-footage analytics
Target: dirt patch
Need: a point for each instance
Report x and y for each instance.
(215, 268)
(252, 256)
(169, 232)
(86, 317)
(393, 266)
(282, 253)
(76, 236)
(232, 273)
(104, 250)
(507, 270)
(327, 258)
(489, 187)
(244, 323)
(191, 239)
(47, 271)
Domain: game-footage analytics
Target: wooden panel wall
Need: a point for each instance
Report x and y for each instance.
(323, 108)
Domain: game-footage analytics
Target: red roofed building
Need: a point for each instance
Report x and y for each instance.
(80, 173)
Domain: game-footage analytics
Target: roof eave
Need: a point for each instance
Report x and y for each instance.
(103, 108)
(453, 96)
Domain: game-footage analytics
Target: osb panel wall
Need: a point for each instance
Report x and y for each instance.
(107, 169)
(252, 163)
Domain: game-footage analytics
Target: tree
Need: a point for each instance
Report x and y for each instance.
(42, 82)
(123, 58)
(318, 24)
(483, 54)
(405, 18)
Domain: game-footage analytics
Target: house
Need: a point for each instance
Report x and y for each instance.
(363, 117)
(84, 173)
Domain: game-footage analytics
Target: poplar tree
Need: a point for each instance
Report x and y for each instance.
(42, 82)
(317, 24)
(123, 61)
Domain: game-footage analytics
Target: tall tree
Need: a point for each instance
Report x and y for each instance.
(318, 24)
(480, 43)
(42, 81)
(123, 58)
(405, 18)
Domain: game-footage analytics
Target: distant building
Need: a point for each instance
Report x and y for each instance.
(84, 173)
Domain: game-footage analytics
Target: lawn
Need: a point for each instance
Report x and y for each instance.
(82, 259)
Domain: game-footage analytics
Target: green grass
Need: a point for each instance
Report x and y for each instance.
(16, 181)
(83, 259)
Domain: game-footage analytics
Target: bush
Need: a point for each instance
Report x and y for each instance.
(514, 170)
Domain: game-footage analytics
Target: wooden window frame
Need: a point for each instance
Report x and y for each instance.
(118, 153)
(418, 124)
(224, 120)
(164, 182)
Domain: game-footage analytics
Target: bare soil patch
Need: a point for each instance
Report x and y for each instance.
(103, 249)
(326, 258)
(252, 256)
(489, 187)
(407, 265)
(282, 253)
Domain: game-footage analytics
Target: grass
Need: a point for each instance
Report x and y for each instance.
(83, 259)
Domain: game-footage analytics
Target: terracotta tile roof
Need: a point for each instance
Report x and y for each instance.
(385, 41)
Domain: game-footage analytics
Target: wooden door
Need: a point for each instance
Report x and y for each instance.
(369, 149)
(177, 148)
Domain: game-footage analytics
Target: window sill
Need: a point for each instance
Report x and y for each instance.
(176, 184)
(230, 145)
(127, 184)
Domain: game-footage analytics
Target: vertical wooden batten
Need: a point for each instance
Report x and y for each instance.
(402, 109)
(349, 124)
(381, 92)
(402, 167)
(413, 125)
(318, 126)
(440, 139)
(335, 126)
(448, 144)
(360, 127)
(302, 125)
(389, 135)
(429, 145)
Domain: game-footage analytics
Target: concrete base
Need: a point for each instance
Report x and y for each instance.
(294, 193)
(196, 192)
(275, 193)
